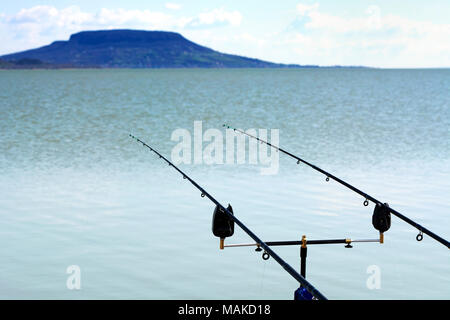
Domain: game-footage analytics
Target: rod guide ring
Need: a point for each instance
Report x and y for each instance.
(419, 237)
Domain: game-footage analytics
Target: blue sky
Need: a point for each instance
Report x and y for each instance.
(373, 33)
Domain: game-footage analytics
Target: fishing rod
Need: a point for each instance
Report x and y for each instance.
(378, 204)
(223, 226)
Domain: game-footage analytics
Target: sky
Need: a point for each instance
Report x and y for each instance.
(388, 34)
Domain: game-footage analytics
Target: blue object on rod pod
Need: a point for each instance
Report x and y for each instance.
(302, 294)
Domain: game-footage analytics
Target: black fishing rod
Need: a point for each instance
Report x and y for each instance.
(228, 211)
(367, 197)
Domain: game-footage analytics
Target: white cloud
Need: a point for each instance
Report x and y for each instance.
(173, 6)
(217, 16)
(135, 18)
(372, 38)
(303, 9)
(73, 15)
(35, 14)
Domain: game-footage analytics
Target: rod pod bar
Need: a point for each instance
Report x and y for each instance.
(305, 283)
(366, 196)
(299, 242)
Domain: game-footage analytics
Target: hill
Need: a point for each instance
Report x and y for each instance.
(135, 49)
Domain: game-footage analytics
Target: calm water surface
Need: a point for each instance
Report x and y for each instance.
(76, 190)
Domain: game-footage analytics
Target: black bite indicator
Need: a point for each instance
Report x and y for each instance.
(381, 219)
(222, 224)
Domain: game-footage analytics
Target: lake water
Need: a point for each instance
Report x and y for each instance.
(76, 190)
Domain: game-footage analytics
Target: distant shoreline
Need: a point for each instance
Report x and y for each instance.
(35, 64)
(229, 68)
(194, 68)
